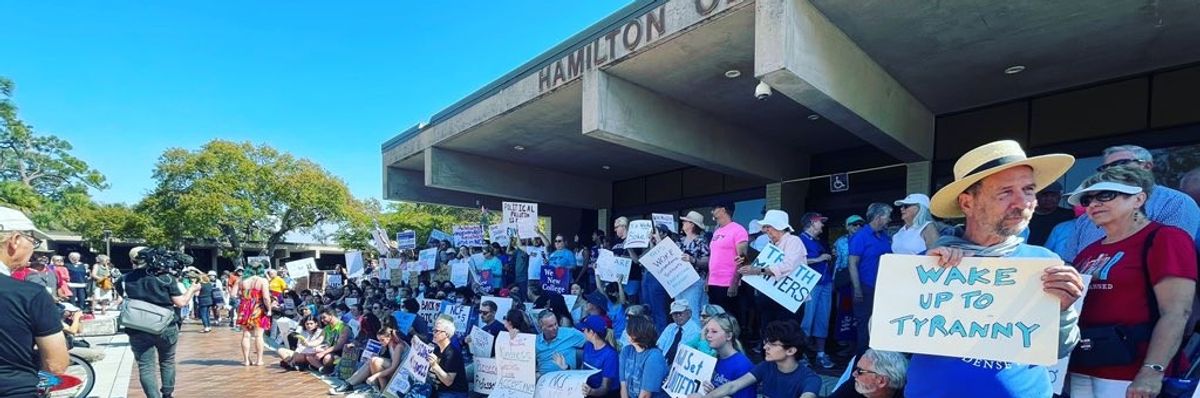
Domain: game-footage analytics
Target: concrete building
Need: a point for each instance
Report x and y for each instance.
(655, 109)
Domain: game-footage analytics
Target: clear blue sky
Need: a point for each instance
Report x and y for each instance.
(327, 81)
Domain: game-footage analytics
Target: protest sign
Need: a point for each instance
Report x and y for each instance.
(395, 267)
(439, 236)
(430, 308)
(334, 281)
(351, 301)
(986, 308)
(517, 360)
(427, 259)
(570, 299)
(487, 373)
(510, 388)
(259, 261)
(638, 234)
(461, 315)
(379, 240)
(1058, 372)
(404, 321)
(690, 370)
(524, 216)
(370, 350)
(468, 235)
(354, 264)
(555, 279)
(791, 290)
(481, 343)
(417, 362)
(610, 268)
(406, 240)
(665, 219)
(499, 234)
(316, 280)
(537, 257)
(299, 268)
(665, 261)
(563, 384)
(503, 304)
(459, 272)
(399, 385)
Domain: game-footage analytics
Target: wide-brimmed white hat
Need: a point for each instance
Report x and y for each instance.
(1102, 186)
(694, 217)
(914, 199)
(14, 220)
(754, 227)
(777, 219)
(993, 158)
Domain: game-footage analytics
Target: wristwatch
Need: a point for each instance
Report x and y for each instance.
(1156, 367)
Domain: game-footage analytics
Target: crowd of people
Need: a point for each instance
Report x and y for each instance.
(1134, 238)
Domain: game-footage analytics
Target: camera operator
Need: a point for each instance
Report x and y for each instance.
(30, 317)
(154, 283)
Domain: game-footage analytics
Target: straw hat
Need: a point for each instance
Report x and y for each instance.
(694, 217)
(990, 159)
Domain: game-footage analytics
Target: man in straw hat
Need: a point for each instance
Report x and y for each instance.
(31, 319)
(995, 189)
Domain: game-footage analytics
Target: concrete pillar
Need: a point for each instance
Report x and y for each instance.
(802, 55)
(458, 171)
(774, 196)
(920, 177)
(627, 114)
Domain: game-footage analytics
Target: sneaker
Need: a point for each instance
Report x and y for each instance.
(824, 361)
(804, 361)
(342, 389)
(286, 366)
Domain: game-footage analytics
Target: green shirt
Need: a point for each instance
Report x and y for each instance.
(333, 333)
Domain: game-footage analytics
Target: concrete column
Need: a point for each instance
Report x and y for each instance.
(627, 114)
(802, 55)
(774, 196)
(464, 172)
(920, 177)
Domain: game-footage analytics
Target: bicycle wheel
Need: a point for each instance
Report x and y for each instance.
(77, 381)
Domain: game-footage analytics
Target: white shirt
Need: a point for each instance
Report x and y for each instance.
(909, 240)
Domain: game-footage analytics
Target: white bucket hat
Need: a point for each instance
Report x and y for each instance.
(981, 162)
(1102, 186)
(914, 199)
(754, 227)
(777, 219)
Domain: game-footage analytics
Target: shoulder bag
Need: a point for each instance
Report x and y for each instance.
(144, 316)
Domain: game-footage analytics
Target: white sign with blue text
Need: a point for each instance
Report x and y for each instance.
(689, 372)
(791, 290)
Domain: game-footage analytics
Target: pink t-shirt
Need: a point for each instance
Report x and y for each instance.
(723, 254)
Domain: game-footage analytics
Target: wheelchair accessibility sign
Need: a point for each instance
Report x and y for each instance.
(839, 182)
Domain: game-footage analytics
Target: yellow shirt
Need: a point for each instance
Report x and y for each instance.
(278, 285)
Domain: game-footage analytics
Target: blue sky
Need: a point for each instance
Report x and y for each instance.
(327, 81)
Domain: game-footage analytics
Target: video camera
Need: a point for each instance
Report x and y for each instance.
(159, 260)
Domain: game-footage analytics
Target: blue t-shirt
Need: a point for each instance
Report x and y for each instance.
(814, 249)
(616, 312)
(646, 370)
(733, 368)
(565, 343)
(775, 384)
(497, 270)
(607, 362)
(928, 375)
(562, 259)
(869, 246)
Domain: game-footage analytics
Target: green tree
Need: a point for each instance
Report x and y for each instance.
(41, 162)
(422, 218)
(125, 223)
(234, 193)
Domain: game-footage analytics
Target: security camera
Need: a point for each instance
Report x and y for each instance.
(762, 91)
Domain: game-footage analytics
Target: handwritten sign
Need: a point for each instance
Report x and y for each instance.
(469, 235)
(417, 362)
(638, 234)
(406, 240)
(610, 268)
(427, 259)
(460, 271)
(499, 234)
(690, 370)
(316, 280)
(667, 220)
(487, 373)
(510, 388)
(461, 315)
(665, 261)
(791, 290)
(430, 308)
(404, 321)
(354, 264)
(503, 304)
(481, 343)
(985, 308)
(438, 236)
(370, 350)
(1058, 372)
(522, 215)
(555, 279)
(564, 383)
(300, 268)
(517, 358)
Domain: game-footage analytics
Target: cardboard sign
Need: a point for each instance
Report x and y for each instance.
(439, 236)
(665, 219)
(555, 279)
(370, 350)
(427, 259)
(300, 268)
(610, 268)
(380, 241)
(417, 362)
(564, 383)
(638, 234)
(354, 264)
(985, 308)
(316, 280)
(665, 261)
(404, 321)
(468, 235)
(481, 343)
(690, 370)
(487, 373)
(499, 234)
(516, 357)
(406, 240)
(790, 291)
(1058, 372)
(503, 304)
(524, 216)
(430, 308)
(460, 271)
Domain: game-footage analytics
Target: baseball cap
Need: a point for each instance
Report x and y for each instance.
(813, 216)
(594, 323)
(854, 218)
(680, 305)
(14, 220)
(914, 199)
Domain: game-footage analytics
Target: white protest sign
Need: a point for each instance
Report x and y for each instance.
(522, 215)
(300, 268)
(370, 350)
(1058, 372)
(462, 317)
(985, 308)
(406, 240)
(563, 384)
(512, 388)
(665, 261)
(499, 234)
(481, 343)
(395, 274)
(439, 236)
(460, 272)
(610, 268)
(380, 240)
(503, 304)
(334, 281)
(665, 219)
(417, 362)
(399, 385)
(468, 235)
(354, 264)
(790, 291)
(427, 259)
(638, 234)
(690, 370)
(351, 301)
(517, 358)
(430, 308)
(487, 373)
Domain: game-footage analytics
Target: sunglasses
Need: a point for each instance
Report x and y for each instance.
(558, 241)
(857, 224)
(1116, 163)
(1102, 196)
(860, 371)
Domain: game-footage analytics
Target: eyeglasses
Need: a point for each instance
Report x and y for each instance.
(436, 331)
(859, 371)
(1119, 162)
(1102, 196)
(558, 241)
(768, 344)
(35, 241)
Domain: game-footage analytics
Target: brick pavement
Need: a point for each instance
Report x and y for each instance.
(210, 365)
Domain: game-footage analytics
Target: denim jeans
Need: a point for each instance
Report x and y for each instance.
(149, 349)
(655, 297)
(694, 295)
(205, 315)
(80, 296)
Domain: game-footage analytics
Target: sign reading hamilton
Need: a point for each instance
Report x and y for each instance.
(626, 38)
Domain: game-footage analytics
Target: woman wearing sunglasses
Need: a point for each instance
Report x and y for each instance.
(1142, 289)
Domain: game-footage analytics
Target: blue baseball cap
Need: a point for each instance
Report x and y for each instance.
(594, 323)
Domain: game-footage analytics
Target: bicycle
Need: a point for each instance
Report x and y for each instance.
(76, 382)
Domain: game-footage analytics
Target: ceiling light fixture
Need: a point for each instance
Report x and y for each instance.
(1015, 69)
(518, 148)
(733, 73)
(605, 167)
(814, 116)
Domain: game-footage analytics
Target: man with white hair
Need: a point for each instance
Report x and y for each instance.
(877, 374)
(31, 319)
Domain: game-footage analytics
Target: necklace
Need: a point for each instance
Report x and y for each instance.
(1137, 225)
